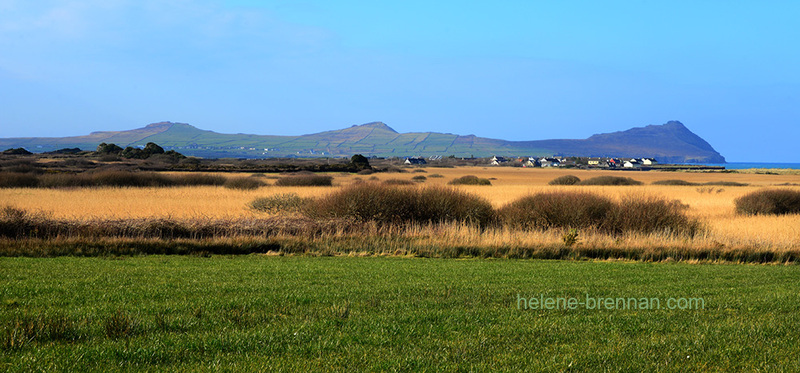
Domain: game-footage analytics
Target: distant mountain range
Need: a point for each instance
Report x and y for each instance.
(668, 143)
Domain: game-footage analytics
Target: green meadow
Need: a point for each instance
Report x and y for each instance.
(300, 313)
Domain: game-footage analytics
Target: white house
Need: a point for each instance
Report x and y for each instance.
(415, 160)
(648, 161)
(532, 162)
(633, 163)
(497, 160)
(549, 162)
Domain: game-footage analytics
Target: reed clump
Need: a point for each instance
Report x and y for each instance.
(470, 180)
(106, 178)
(565, 180)
(279, 203)
(610, 180)
(305, 180)
(244, 183)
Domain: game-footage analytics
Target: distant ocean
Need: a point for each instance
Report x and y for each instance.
(745, 165)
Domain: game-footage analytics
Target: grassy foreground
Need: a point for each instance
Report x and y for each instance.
(255, 313)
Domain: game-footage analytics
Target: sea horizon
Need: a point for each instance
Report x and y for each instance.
(747, 165)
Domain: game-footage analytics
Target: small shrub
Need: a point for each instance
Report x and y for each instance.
(769, 202)
(193, 179)
(395, 169)
(419, 178)
(435, 176)
(244, 183)
(366, 172)
(570, 238)
(305, 180)
(610, 180)
(674, 182)
(565, 180)
(286, 202)
(110, 158)
(470, 180)
(388, 204)
(398, 182)
(709, 190)
(419, 170)
(726, 183)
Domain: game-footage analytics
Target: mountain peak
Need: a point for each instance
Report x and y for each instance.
(163, 126)
(669, 142)
(377, 126)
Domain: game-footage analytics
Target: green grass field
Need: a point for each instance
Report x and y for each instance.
(255, 313)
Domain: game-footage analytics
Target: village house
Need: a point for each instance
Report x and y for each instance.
(415, 160)
(549, 162)
(496, 161)
(632, 163)
(648, 161)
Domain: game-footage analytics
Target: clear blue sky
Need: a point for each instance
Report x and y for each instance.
(516, 70)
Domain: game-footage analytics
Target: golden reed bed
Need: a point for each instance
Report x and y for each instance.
(713, 205)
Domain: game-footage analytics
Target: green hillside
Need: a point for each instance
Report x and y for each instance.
(671, 142)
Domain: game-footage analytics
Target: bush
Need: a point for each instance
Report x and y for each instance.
(287, 202)
(645, 214)
(127, 179)
(565, 180)
(17, 151)
(244, 183)
(386, 204)
(419, 178)
(557, 210)
(436, 175)
(104, 148)
(192, 179)
(398, 182)
(470, 180)
(769, 202)
(18, 180)
(610, 180)
(582, 210)
(674, 182)
(305, 180)
(360, 162)
(726, 183)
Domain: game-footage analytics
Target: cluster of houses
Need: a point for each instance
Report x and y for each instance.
(557, 162)
(576, 161)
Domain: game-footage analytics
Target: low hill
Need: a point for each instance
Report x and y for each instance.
(670, 142)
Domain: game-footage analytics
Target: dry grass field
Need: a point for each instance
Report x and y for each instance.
(712, 205)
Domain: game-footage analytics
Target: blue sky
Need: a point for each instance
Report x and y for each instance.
(516, 70)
